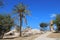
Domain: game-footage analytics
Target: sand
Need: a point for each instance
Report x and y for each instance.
(31, 37)
(54, 35)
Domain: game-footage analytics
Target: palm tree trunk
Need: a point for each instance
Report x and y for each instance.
(20, 24)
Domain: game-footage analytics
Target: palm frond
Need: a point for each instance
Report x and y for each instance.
(27, 12)
(25, 20)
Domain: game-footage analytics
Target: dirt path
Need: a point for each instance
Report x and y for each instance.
(32, 37)
(44, 37)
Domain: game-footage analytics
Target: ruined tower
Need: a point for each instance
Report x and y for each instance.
(51, 25)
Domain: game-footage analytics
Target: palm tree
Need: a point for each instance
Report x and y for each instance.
(22, 11)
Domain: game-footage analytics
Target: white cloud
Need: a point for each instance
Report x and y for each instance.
(53, 15)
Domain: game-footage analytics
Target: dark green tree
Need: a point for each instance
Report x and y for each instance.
(57, 21)
(43, 25)
(6, 22)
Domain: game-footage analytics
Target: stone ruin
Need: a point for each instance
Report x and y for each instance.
(51, 26)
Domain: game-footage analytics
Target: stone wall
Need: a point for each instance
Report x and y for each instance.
(51, 25)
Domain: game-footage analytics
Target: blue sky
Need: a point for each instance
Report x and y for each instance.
(41, 10)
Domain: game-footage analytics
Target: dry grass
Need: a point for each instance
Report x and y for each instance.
(54, 35)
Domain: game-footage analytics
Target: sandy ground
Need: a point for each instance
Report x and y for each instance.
(44, 37)
(28, 38)
(31, 37)
(54, 35)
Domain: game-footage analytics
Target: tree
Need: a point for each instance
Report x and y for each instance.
(22, 11)
(57, 21)
(6, 22)
(43, 25)
(2, 31)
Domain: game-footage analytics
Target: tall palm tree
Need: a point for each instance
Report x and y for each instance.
(22, 11)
